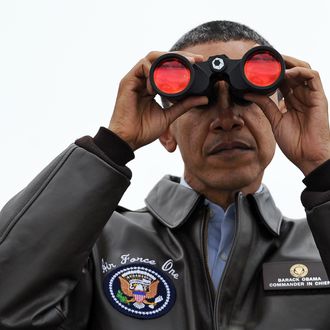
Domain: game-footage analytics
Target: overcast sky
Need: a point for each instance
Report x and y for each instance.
(61, 62)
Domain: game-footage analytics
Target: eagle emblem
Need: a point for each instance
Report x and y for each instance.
(139, 290)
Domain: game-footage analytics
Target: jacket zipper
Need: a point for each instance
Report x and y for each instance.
(206, 216)
(218, 292)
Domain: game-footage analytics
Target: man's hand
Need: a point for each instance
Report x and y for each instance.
(137, 118)
(300, 122)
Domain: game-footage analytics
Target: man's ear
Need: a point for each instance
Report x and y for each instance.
(168, 140)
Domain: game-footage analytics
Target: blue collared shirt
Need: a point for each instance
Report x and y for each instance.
(220, 236)
(221, 229)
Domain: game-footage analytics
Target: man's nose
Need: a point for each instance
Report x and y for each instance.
(226, 114)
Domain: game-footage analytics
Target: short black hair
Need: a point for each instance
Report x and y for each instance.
(214, 31)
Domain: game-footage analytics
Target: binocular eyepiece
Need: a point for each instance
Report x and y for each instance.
(261, 71)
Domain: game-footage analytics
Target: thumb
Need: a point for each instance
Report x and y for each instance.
(179, 108)
(269, 108)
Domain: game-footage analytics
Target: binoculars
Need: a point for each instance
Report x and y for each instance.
(261, 71)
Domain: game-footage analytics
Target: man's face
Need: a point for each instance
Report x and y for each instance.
(224, 146)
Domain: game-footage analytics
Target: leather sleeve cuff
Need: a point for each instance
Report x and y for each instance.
(319, 179)
(113, 146)
(317, 184)
(109, 147)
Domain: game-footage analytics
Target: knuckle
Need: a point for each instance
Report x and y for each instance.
(125, 78)
(143, 62)
(316, 73)
(122, 82)
(306, 64)
(151, 54)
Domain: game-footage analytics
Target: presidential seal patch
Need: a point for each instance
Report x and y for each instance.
(140, 291)
(298, 270)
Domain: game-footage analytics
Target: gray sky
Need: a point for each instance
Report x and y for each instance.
(61, 62)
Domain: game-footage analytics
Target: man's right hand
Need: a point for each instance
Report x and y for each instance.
(137, 118)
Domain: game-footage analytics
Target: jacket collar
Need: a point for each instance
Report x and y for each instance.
(267, 211)
(172, 204)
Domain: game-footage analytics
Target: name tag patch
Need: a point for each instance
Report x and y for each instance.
(140, 291)
(290, 275)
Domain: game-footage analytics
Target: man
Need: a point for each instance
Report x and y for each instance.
(209, 250)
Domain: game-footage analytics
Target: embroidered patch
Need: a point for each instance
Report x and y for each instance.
(291, 275)
(140, 291)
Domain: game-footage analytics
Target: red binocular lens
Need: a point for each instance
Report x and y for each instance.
(261, 70)
(172, 76)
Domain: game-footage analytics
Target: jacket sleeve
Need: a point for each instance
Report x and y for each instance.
(316, 200)
(46, 235)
